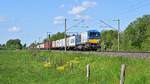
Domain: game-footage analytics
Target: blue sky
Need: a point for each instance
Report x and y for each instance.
(30, 19)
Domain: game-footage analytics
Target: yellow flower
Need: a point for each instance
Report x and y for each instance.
(61, 68)
(47, 64)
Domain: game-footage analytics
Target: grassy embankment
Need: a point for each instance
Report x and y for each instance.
(22, 67)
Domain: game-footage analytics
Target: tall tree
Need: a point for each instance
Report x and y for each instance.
(14, 44)
(137, 32)
(109, 39)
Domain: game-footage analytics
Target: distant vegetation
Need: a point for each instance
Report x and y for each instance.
(2, 47)
(136, 36)
(55, 37)
(12, 44)
(109, 39)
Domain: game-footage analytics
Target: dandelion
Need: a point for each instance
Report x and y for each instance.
(62, 68)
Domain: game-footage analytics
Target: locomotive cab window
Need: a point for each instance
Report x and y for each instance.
(94, 35)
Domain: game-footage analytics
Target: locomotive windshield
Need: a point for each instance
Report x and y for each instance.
(94, 35)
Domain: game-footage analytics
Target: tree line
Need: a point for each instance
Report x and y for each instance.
(136, 37)
(13, 44)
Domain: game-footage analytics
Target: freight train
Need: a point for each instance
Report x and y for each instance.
(89, 40)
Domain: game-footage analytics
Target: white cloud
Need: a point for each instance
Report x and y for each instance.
(76, 10)
(85, 17)
(14, 29)
(88, 4)
(58, 19)
(2, 18)
(57, 22)
(79, 10)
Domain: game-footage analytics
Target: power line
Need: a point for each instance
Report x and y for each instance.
(106, 24)
(75, 24)
(133, 8)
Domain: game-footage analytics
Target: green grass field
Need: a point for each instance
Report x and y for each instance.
(26, 67)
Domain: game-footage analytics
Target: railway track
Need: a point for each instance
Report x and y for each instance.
(114, 53)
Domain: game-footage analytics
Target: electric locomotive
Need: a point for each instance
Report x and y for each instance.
(90, 40)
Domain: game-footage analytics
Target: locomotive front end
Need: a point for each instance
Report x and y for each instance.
(93, 42)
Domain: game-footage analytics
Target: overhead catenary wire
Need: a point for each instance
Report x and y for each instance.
(106, 24)
(134, 8)
(78, 23)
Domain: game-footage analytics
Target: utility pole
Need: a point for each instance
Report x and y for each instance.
(65, 35)
(67, 30)
(48, 37)
(118, 21)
